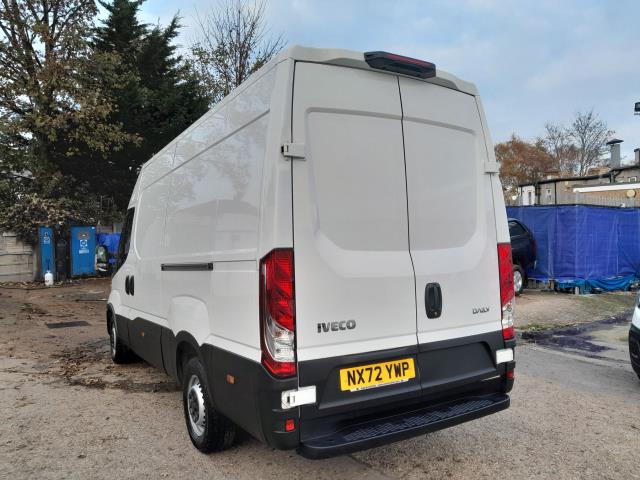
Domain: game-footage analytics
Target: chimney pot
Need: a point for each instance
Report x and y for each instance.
(614, 145)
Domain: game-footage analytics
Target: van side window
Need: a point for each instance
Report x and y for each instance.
(125, 238)
(516, 229)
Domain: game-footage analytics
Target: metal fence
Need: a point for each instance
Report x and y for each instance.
(570, 198)
(590, 199)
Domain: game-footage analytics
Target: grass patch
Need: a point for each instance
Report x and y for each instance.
(542, 327)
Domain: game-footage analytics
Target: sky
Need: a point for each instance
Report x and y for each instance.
(532, 61)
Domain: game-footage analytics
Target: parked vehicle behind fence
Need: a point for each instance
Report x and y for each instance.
(300, 261)
(523, 252)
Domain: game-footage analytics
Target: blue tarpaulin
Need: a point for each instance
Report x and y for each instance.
(584, 246)
(110, 240)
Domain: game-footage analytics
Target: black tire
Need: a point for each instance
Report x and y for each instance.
(518, 287)
(119, 352)
(209, 430)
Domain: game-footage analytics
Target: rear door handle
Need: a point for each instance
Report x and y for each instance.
(132, 284)
(126, 285)
(433, 300)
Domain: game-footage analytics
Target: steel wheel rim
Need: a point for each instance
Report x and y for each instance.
(113, 338)
(195, 405)
(517, 280)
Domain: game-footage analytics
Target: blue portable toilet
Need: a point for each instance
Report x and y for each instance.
(47, 251)
(83, 250)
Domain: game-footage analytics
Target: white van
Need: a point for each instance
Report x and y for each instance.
(323, 259)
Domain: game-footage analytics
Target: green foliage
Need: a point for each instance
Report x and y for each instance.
(55, 202)
(49, 98)
(54, 116)
(157, 94)
(81, 108)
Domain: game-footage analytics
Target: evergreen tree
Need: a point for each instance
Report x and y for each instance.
(121, 32)
(156, 96)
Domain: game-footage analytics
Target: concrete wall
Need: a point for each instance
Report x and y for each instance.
(17, 259)
(607, 199)
(631, 175)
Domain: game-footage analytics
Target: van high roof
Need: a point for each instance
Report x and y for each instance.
(333, 56)
(355, 59)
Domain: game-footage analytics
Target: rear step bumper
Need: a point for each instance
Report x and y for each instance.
(380, 431)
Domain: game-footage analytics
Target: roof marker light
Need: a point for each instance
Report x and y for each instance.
(400, 64)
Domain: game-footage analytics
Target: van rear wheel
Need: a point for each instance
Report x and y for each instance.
(209, 430)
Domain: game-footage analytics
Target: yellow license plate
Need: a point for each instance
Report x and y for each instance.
(376, 374)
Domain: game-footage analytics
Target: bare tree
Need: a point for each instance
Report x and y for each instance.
(232, 43)
(558, 143)
(589, 135)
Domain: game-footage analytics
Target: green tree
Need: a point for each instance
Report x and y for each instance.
(48, 81)
(54, 116)
(156, 95)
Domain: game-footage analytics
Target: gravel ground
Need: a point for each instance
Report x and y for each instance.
(67, 412)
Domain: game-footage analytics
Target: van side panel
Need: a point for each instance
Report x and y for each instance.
(213, 216)
(197, 234)
(500, 211)
(276, 214)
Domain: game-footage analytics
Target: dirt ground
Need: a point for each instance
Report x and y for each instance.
(67, 412)
(79, 355)
(542, 309)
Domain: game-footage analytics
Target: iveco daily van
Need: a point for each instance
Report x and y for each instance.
(323, 259)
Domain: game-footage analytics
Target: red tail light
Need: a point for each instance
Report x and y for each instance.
(507, 294)
(289, 425)
(277, 313)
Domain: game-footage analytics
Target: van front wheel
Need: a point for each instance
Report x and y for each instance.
(209, 430)
(119, 352)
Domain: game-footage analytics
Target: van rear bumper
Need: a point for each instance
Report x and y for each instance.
(456, 380)
(385, 429)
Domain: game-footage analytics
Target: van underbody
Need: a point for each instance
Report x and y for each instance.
(330, 244)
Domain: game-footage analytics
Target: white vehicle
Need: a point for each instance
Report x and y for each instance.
(634, 338)
(323, 259)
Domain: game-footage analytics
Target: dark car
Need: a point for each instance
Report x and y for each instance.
(523, 252)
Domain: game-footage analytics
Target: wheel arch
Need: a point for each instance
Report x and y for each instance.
(186, 348)
(110, 316)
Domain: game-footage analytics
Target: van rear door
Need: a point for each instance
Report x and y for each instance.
(354, 280)
(452, 233)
